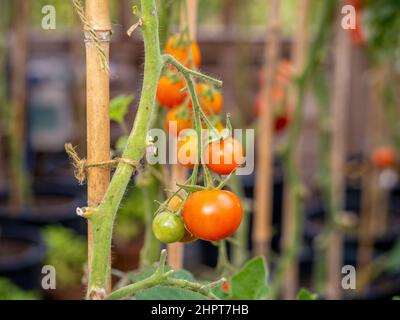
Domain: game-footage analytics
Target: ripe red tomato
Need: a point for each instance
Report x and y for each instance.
(224, 156)
(185, 51)
(169, 92)
(384, 157)
(187, 151)
(212, 214)
(182, 122)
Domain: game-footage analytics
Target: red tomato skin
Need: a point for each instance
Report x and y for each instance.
(229, 156)
(212, 214)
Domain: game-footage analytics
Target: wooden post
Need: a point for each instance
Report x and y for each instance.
(19, 194)
(97, 103)
(339, 105)
(178, 172)
(262, 230)
(300, 49)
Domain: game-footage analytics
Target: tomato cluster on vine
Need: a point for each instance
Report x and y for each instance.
(197, 212)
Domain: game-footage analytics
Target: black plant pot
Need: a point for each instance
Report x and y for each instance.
(54, 203)
(21, 254)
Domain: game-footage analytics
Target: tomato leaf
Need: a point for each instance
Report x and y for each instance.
(251, 282)
(119, 107)
(304, 294)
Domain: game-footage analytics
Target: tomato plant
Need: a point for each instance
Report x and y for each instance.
(181, 118)
(168, 227)
(169, 92)
(224, 156)
(212, 214)
(187, 150)
(210, 99)
(184, 50)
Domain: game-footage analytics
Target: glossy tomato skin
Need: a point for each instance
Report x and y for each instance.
(212, 214)
(384, 157)
(181, 122)
(224, 156)
(168, 227)
(169, 92)
(182, 52)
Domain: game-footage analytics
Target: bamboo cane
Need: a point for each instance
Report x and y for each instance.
(262, 232)
(19, 188)
(97, 102)
(178, 172)
(373, 210)
(339, 105)
(290, 283)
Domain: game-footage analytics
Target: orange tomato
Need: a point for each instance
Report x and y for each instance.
(169, 92)
(174, 204)
(187, 151)
(210, 99)
(181, 122)
(224, 156)
(384, 157)
(185, 51)
(212, 214)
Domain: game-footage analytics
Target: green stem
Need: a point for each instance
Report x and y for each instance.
(103, 217)
(162, 277)
(151, 247)
(316, 54)
(239, 250)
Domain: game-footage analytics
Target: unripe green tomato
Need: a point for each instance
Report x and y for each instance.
(168, 227)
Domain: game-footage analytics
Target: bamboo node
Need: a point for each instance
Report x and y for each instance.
(81, 165)
(97, 37)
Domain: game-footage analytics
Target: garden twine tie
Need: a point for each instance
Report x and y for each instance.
(81, 164)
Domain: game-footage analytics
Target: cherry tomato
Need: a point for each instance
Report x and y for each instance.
(384, 157)
(169, 92)
(188, 237)
(174, 204)
(187, 151)
(185, 51)
(168, 227)
(212, 214)
(210, 99)
(181, 122)
(224, 156)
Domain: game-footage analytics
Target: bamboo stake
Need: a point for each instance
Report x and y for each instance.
(97, 102)
(300, 49)
(178, 172)
(373, 209)
(340, 99)
(262, 232)
(19, 188)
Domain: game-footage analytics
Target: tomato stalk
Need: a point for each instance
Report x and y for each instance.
(297, 192)
(102, 217)
(162, 277)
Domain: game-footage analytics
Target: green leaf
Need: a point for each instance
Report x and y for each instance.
(168, 293)
(119, 107)
(393, 260)
(250, 283)
(396, 298)
(304, 294)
